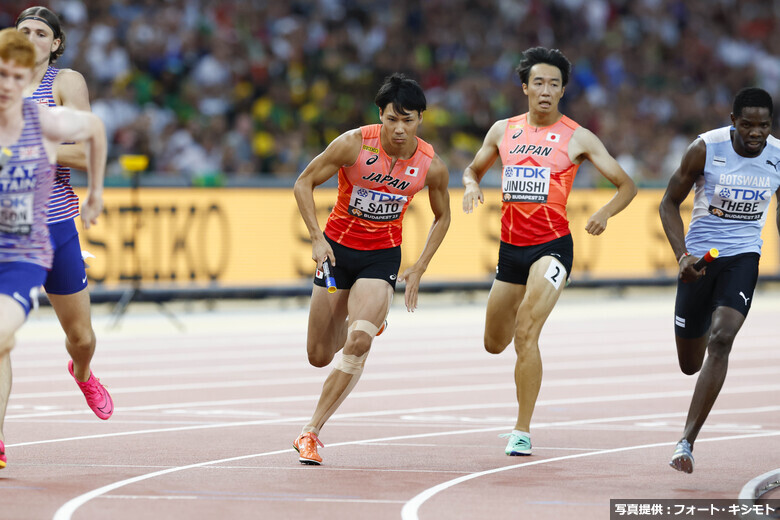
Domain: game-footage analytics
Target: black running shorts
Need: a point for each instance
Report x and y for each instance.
(352, 264)
(729, 282)
(514, 262)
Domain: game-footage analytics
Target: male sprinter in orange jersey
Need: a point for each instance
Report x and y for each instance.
(540, 152)
(380, 168)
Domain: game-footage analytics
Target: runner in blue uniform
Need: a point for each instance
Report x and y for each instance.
(29, 136)
(66, 283)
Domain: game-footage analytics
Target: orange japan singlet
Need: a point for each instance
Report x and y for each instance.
(536, 180)
(372, 199)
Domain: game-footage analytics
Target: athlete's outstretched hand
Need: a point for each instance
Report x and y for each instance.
(91, 209)
(412, 278)
(472, 197)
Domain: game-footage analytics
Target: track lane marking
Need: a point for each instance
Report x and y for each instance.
(66, 511)
(411, 508)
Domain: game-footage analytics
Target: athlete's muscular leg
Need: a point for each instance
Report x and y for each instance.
(369, 300)
(726, 322)
(73, 311)
(540, 297)
(11, 318)
(690, 353)
(502, 304)
(327, 325)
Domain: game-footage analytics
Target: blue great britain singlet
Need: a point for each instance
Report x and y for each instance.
(64, 202)
(25, 184)
(732, 197)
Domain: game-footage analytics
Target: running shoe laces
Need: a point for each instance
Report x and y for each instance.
(306, 446)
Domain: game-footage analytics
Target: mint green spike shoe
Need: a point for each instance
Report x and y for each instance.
(519, 444)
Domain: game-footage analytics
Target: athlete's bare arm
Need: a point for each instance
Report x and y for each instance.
(777, 210)
(691, 167)
(585, 145)
(70, 90)
(343, 151)
(437, 180)
(59, 124)
(483, 160)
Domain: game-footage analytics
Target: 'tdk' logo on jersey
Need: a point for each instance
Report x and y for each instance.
(736, 203)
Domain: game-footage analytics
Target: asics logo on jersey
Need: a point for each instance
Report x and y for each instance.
(744, 297)
(517, 134)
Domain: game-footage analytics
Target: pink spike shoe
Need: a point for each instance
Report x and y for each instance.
(3, 459)
(98, 398)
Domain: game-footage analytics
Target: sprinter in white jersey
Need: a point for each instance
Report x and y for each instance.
(735, 171)
(66, 282)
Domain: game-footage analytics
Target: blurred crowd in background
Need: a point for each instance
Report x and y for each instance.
(254, 89)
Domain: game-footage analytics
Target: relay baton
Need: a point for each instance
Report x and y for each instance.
(330, 282)
(708, 257)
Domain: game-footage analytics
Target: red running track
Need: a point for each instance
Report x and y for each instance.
(205, 418)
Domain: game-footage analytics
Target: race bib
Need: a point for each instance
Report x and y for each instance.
(16, 213)
(376, 205)
(526, 183)
(556, 273)
(739, 203)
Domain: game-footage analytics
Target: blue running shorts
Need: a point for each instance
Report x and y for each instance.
(67, 275)
(18, 279)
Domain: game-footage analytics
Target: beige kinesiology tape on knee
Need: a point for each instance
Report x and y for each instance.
(364, 326)
(351, 364)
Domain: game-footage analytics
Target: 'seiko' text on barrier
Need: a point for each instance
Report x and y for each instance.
(256, 237)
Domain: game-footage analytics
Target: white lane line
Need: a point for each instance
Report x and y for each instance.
(354, 395)
(422, 374)
(254, 499)
(66, 511)
(386, 359)
(353, 500)
(152, 497)
(160, 430)
(412, 507)
(408, 411)
(255, 467)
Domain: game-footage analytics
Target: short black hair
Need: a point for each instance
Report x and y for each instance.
(46, 16)
(552, 57)
(404, 93)
(751, 97)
